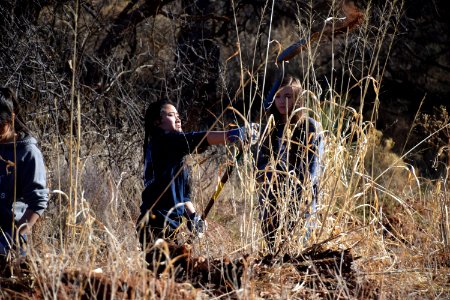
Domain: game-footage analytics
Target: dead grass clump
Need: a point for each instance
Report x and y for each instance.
(387, 168)
(433, 130)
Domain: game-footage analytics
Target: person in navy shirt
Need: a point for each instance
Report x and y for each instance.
(166, 196)
(288, 162)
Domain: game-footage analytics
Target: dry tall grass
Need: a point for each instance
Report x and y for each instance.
(395, 223)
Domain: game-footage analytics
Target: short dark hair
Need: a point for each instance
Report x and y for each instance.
(10, 110)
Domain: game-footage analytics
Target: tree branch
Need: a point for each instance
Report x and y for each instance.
(128, 18)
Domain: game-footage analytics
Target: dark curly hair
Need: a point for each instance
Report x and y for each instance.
(10, 112)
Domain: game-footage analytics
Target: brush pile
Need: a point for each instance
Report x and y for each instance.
(315, 271)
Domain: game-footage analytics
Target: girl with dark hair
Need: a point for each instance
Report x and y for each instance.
(23, 192)
(166, 197)
(288, 161)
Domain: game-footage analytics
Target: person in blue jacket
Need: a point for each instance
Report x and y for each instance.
(288, 161)
(23, 191)
(166, 196)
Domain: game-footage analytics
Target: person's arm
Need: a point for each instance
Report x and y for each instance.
(315, 148)
(190, 210)
(246, 134)
(187, 142)
(216, 137)
(34, 188)
(27, 221)
(195, 223)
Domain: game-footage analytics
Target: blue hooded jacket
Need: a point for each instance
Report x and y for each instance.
(27, 176)
(166, 179)
(303, 158)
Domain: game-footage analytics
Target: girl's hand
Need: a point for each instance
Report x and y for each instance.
(245, 134)
(200, 226)
(197, 225)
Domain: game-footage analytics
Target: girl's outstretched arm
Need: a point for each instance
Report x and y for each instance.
(216, 137)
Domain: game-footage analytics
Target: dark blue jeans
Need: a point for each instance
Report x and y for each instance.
(270, 213)
(156, 228)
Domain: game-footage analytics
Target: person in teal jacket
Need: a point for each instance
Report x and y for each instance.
(23, 191)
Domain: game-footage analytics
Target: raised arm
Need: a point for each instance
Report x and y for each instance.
(216, 137)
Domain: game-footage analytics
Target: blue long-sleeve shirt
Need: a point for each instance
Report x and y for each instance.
(28, 177)
(299, 156)
(164, 169)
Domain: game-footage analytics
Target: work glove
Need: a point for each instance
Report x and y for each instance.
(245, 134)
(197, 225)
